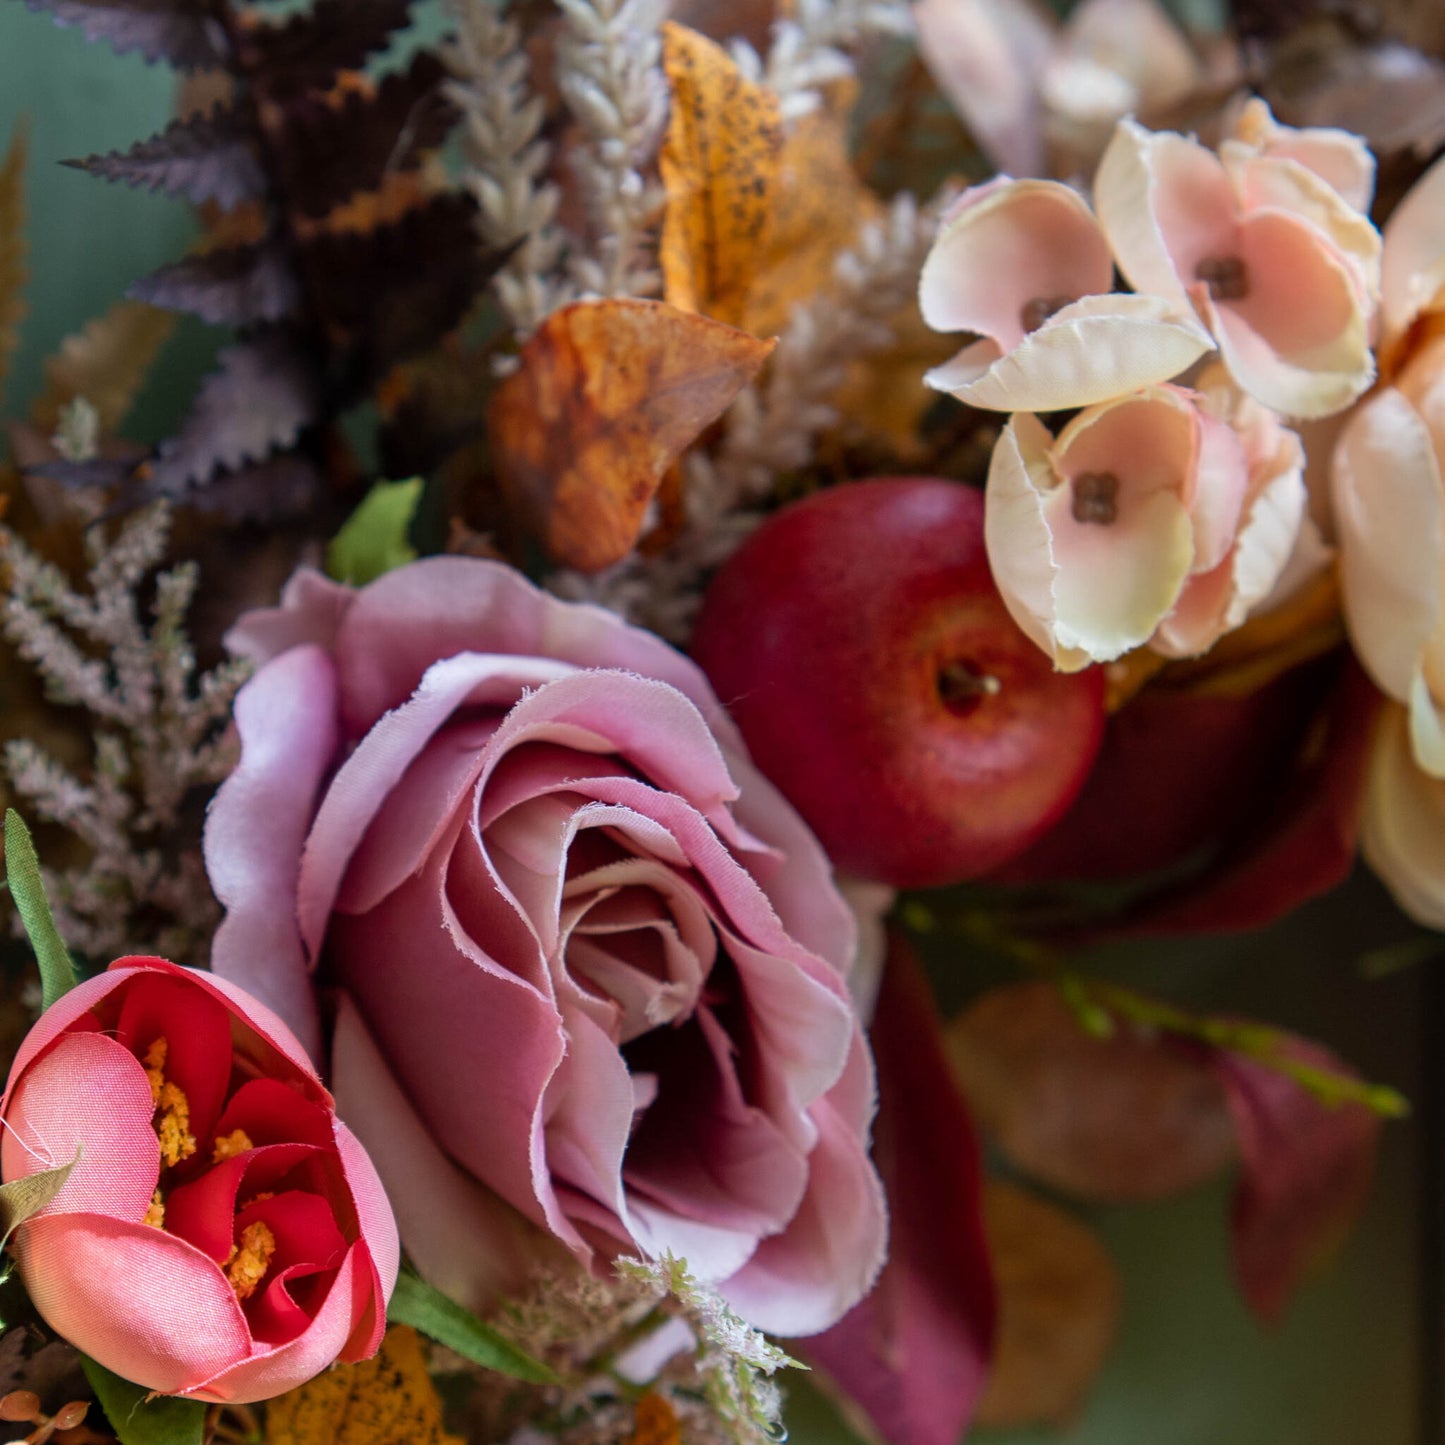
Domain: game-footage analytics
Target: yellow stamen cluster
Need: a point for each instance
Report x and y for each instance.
(155, 1066)
(248, 1263)
(173, 1128)
(229, 1145)
(155, 1216)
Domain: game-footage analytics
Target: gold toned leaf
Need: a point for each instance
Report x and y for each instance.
(12, 248)
(608, 396)
(107, 362)
(382, 1401)
(1058, 1307)
(820, 206)
(719, 166)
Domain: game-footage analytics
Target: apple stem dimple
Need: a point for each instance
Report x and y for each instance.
(962, 687)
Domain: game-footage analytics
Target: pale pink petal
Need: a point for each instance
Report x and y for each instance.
(1007, 245)
(257, 823)
(1090, 351)
(87, 1273)
(311, 611)
(801, 1281)
(1339, 158)
(986, 56)
(88, 1093)
(1413, 269)
(1165, 204)
(461, 1237)
(1390, 519)
(1216, 495)
(1402, 832)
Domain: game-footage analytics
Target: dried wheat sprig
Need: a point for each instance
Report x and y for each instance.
(773, 428)
(810, 48)
(160, 733)
(506, 161)
(609, 69)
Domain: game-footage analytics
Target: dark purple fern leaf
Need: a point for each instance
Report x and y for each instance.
(238, 286)
(203, 158)
(184, 32)
(258, 402)
(397, 290)
(326, 153)
(306, 51)
(281, 486)
(101, 473)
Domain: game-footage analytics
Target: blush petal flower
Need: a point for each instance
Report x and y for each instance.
(1280, 267)
(626, 1010)
(1389, 500)
(1025, 265)
(213, 1169)
(1158, 518)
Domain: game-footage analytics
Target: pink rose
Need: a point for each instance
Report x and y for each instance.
(584, 954)
(222, 1234)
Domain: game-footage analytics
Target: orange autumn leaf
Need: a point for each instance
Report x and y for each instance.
(608, 396)
(719, 165)
(656, 1423)
(376, 1402)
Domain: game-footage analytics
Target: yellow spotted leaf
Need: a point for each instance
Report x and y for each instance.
(12, 248)
(107, 362)
(608, 396)
(388, 1400)
(719, 163)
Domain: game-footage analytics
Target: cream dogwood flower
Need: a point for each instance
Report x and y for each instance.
(1265, 241)
(1157, 518)
(1024, 264)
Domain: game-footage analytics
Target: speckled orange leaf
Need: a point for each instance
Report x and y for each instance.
(608, 396)
(380, 1401)
(719, 164)
(821, 204)
(656, 1423)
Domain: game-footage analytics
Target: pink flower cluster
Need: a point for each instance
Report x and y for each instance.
(1173, 502)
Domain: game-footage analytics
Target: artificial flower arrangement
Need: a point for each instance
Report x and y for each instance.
(484, 1003)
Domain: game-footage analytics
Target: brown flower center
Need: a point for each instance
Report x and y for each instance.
(1034, 313)
(1226, 276)
(1096, 498)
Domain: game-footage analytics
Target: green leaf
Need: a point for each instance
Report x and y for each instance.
(140, 1418)
(22, 870)
(374, 537)
(21, 1198)
(417, 1304)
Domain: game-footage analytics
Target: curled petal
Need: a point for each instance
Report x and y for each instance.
(1390, 519)
(1402, 833)
(1413, 269)
(1007, 246)
(1338, 157)
(1093, 349)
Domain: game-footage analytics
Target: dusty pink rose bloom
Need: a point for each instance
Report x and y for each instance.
(222, 1234)
(587, 957)
(1157, 518)
(1026, 266)
(1266, 243)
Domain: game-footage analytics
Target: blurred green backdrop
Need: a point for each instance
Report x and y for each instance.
(1191, 1367)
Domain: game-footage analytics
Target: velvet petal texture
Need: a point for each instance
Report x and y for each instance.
(130, 1260)
(625, 1024)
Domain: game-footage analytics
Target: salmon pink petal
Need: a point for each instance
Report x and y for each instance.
(1216, 495)
(1089, 351)
(460, 1236)
(1009, 254)
(1413, 268)
(1339, 158)
(1402, 832)
(286, 718)
(1165, 203)
(1390, 519)
(88, 1093)
(85, 1272)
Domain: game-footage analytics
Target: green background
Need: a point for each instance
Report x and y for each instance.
(1191, 1367)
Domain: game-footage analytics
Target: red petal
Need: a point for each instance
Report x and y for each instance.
(203, 1211)
(915, 1352)
(308, 1244)
(274, 1113)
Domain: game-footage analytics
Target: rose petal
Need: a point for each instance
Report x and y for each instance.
(311, 612)
(1340, 159)
(1413, 266)
(203, 1211)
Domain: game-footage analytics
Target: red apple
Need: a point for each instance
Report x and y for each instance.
(859, 641)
